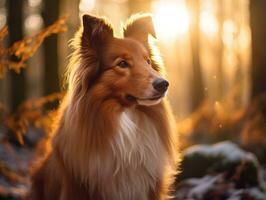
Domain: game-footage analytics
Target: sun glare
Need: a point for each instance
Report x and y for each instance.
(208, 24)
(229, 30)
(171, 19)
(86, 5)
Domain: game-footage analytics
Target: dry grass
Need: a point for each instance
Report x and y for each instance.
(30, 112)
(25, 48)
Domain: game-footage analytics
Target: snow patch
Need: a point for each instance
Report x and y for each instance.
(226, 149)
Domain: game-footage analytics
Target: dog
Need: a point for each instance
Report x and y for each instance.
(115, 136)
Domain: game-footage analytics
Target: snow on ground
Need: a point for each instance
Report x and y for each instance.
(220, 171)
(226, 149)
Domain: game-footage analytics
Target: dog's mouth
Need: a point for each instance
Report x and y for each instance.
(155, 99)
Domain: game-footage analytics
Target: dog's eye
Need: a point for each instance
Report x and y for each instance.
(149, 61)
(123, 64)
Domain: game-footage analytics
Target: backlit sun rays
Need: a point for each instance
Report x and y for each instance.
(171, 19)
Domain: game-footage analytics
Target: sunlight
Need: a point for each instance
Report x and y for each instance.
(2, 20)
(244, 38)
(86, 5)
(33, 23)
(229, 32)
(171, 19)
(34, 3)
(208, 24)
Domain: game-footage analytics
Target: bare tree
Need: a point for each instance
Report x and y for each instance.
(51, 77)
(220, 49)
(15, 25)
(69, 8)
(197, 90)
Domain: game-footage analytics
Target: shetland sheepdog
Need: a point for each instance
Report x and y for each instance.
(115, 136)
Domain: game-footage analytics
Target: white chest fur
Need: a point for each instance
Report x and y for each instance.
(139, 155)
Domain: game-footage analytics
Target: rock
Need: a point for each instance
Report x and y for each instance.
(215, 187)
(220, 171)
(226, 157)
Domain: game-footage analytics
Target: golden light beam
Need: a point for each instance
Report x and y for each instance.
(171, 19)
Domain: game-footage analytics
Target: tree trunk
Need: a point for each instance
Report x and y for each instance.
(220, 49)
(258, 35)
(197, 90)
(15, 25)
(51, 77)
(71, 7)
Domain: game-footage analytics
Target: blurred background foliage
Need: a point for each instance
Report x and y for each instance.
(213, 52)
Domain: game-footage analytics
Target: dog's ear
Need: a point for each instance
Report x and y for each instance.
(96, 31)
(139, 27)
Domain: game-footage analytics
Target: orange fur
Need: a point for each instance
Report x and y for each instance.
(107, 144)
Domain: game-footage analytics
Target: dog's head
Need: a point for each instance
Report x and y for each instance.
(121, 68)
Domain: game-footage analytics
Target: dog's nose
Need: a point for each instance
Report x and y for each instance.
(160, 85)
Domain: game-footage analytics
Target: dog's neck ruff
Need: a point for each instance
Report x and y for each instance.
(132, 165)
(136, 161)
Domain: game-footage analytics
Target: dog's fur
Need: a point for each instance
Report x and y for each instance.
(107, 144)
